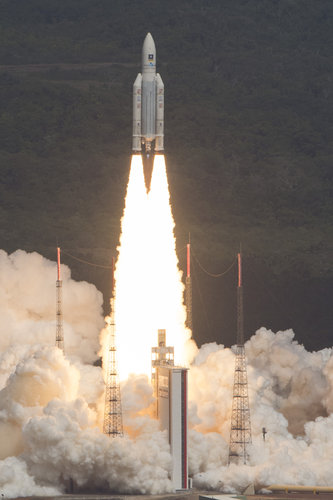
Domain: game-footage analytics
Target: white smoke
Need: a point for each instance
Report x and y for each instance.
(15, 481)
(290, 392)
(63, 443)
(27, 306)
(51, 405)
(53, 433)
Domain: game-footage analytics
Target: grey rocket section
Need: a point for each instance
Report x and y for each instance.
(148, 103)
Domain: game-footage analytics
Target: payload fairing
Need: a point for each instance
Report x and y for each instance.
(148, 103)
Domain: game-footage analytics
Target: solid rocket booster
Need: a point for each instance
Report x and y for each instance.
(148, 103)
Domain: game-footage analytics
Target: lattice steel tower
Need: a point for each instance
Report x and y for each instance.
(188, 289)
(240, 431)
(59, 325)
(113, 419)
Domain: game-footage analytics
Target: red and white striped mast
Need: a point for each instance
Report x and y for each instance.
(240, 313)
(188, 287)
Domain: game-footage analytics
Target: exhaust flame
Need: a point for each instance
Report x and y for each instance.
(148, 291)
(167, 309)
(130, 278)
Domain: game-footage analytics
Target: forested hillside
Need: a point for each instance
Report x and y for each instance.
(248, 144)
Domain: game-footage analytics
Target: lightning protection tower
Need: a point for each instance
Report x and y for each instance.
(59, 325)
(240, 431)
(113, 419)
(188, 289)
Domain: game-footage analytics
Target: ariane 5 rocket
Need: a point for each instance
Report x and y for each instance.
(148, 103)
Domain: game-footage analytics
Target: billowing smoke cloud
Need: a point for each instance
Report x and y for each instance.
(290, 393)
(27, 306)
(63, 443)
(51, 405)
(38, 378)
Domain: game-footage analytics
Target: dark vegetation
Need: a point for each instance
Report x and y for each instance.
(248, 135)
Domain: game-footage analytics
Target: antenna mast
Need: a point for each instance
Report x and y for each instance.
(113, 419)
(188, 288)
(240, 431)
(59, 325)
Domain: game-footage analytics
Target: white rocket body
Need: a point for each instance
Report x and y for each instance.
(148, 103)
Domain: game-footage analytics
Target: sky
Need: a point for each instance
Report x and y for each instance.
(247, 138)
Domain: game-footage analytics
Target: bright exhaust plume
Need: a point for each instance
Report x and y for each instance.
(148, 291)
(167, 309)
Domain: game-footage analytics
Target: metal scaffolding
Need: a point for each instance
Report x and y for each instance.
(240, 431)
(113, 418)
(59, 325)
(162, 355)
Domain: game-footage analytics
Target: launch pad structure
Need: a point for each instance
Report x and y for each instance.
(59, 324)
(240, 431)
(162, 355)
(170, 390)
(188, 495)
(113, 418)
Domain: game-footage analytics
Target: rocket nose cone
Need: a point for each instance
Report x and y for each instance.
(148, 54)
(149, 37)
(148, 43)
